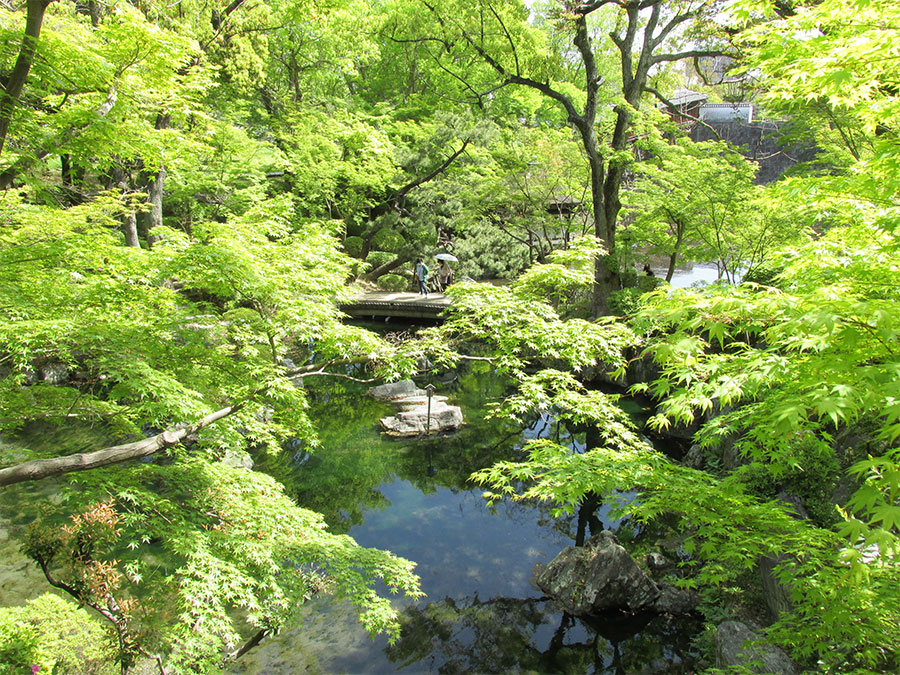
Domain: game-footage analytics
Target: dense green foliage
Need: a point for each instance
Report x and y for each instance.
(187, 189)
(55, 635)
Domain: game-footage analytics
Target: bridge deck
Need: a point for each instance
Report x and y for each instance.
(404, 305)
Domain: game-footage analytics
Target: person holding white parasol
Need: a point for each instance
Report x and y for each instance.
(445, 273)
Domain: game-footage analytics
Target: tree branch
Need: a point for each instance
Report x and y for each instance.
(55, 142)
(44, 468)
(512, 44)
(511, 78)
(406, 189)
(247, 646)
(672, 108)
(325, 373)
(673, 23)
(678, 56)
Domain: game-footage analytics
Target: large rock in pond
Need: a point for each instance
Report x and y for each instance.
(414, 418)
(396, 390)
(598, 576)
(734, 648)
(418, 413)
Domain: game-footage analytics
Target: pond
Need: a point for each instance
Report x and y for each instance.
(412, 497)
(481, 613)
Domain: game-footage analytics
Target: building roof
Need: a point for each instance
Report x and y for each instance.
(686, 97)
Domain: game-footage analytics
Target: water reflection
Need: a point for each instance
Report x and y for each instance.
(502, 635)
(481, 613)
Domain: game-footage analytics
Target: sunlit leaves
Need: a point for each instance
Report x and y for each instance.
(228, 540)
(519, 329)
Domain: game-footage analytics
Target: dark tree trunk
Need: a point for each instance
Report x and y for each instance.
(638, 37)
(153, 217)
(384, 269)
(118, 178)
(13, 90)
(70, 173)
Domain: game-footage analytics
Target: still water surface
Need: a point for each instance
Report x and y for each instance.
(480, 614)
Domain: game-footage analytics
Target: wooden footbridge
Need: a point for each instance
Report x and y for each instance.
(384, 305)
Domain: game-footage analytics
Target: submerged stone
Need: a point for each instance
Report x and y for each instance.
(395, 390)
(415, 420)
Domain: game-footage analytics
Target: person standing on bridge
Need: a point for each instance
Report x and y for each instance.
(421, 273)
(446, 274)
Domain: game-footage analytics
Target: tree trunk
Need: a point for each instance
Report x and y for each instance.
(673, 259)
(130, 230)
(118, 177)
(38, 469)
(637, 40)
(153, 217)
(65, 169)
(384, 269)
(16, 83)
(155, 186)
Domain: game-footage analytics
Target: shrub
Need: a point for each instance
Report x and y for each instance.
(392, 282)
(647, 283)
(625, 302)
(377, 258)
(56, 636)
(354, 246)
(764, 273)
(388, 240)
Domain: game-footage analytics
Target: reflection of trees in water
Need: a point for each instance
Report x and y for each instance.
(342, 479)
(498, 635)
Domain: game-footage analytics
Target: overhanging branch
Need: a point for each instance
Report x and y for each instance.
(44, 468)
(690, 54)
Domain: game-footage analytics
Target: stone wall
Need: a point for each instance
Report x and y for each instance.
(760, 142)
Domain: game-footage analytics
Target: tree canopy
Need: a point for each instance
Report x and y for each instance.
(188, 190)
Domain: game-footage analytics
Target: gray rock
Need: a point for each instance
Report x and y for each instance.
(776, 595)
(416, 400)
(657, 562)
(731, 457)
(55, 373)
(237, 459)
(597, 576)
(795, 505)
(844, 489)
(694, 457)
(673, 600)
(395, 390)
(733, 648)
(415, 419)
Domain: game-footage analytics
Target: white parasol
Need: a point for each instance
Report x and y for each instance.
(449, 257)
